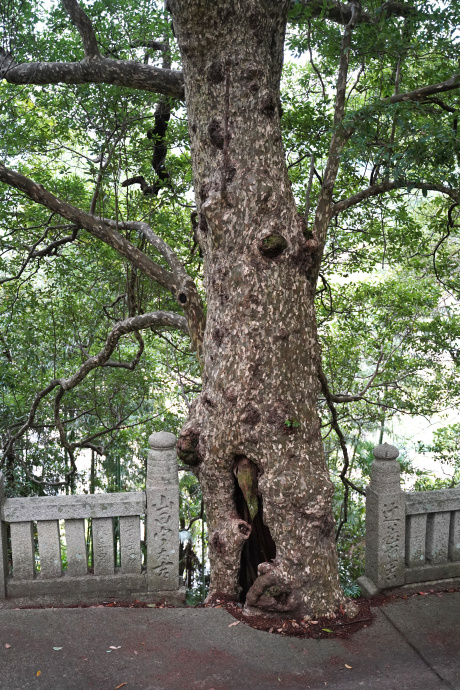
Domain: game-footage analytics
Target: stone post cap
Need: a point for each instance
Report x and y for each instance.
(385, 451)
(162, 440)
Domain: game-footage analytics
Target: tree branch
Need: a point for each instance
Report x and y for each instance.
(424, 91)
(94, 70)
(130, 325)
(95, 226)
(178, 282)
(347, 484)
(84, 26)
(383, 187)
(341, 13)
(338, 140)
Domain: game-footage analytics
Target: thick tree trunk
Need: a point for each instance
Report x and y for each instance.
(257, 412)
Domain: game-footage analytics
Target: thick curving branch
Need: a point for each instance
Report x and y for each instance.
(424, 92)
(341, 13)
(94, 70)
(177, 281)
(384, 187)
(84, 26)
(95, 226)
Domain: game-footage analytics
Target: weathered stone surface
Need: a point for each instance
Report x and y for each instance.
(385, 521)
(130, 544)
(77, 592)
(454, 540)
(159, 582)
(77, 557)
(410, 537)
(22, 546)
(415, 540)
(104, 585)
(3, 542)
(162, 518)
(72, 507)
(103, 546)
(368, 588)
(441, 500)
(49, 548)
(161, 440)
(385, 451)
(437, 538)
(428, 573)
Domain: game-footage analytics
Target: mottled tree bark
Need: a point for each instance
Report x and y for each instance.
(261, 353)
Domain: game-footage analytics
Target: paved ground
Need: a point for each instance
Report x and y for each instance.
(414, 644)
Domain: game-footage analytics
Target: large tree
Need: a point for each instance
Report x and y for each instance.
(253, 434)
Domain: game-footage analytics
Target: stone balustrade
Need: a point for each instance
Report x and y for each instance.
(410, 537)
(20, 583)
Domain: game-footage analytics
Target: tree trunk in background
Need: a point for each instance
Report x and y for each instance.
(256, 416)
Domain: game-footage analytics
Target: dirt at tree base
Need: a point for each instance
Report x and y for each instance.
(341, 626)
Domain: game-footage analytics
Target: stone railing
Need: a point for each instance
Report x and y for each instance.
(410, 537)
(158, 579)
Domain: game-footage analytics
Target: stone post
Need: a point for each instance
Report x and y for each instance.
(162, 522)
(385, 524)
(3, 542)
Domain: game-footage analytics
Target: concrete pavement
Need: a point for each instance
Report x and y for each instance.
(414, 644)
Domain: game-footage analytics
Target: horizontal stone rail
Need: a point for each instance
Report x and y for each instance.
(20, 582)
(411, 538)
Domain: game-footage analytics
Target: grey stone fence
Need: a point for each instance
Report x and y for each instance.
(410, 537)
(158, 579)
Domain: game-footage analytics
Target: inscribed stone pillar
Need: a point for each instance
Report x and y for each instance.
(162, 520)
(385, 520)
(3, 542)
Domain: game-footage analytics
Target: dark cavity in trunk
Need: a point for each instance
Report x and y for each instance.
(260, 547)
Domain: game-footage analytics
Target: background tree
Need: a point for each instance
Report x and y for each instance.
(376, 100)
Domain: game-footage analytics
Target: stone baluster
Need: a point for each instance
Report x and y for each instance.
(3, 542)
(385, 523)
(162, 522)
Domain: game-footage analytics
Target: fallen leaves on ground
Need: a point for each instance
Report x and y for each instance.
(7, 646)
(235, 623)
(120, 686)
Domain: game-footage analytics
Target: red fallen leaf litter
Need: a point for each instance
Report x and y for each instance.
(342, 626)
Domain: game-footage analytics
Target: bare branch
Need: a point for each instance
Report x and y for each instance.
(160, 245)
(136, 323)
(346, 464)
(341, 13)
(96, 227)
(308, 192)
(388, 186)
(84, 26)
(345, 397)
(95, 70)
(179, 283)
(423, 92)
(154, 45)
(54, 246)
(338, 140)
